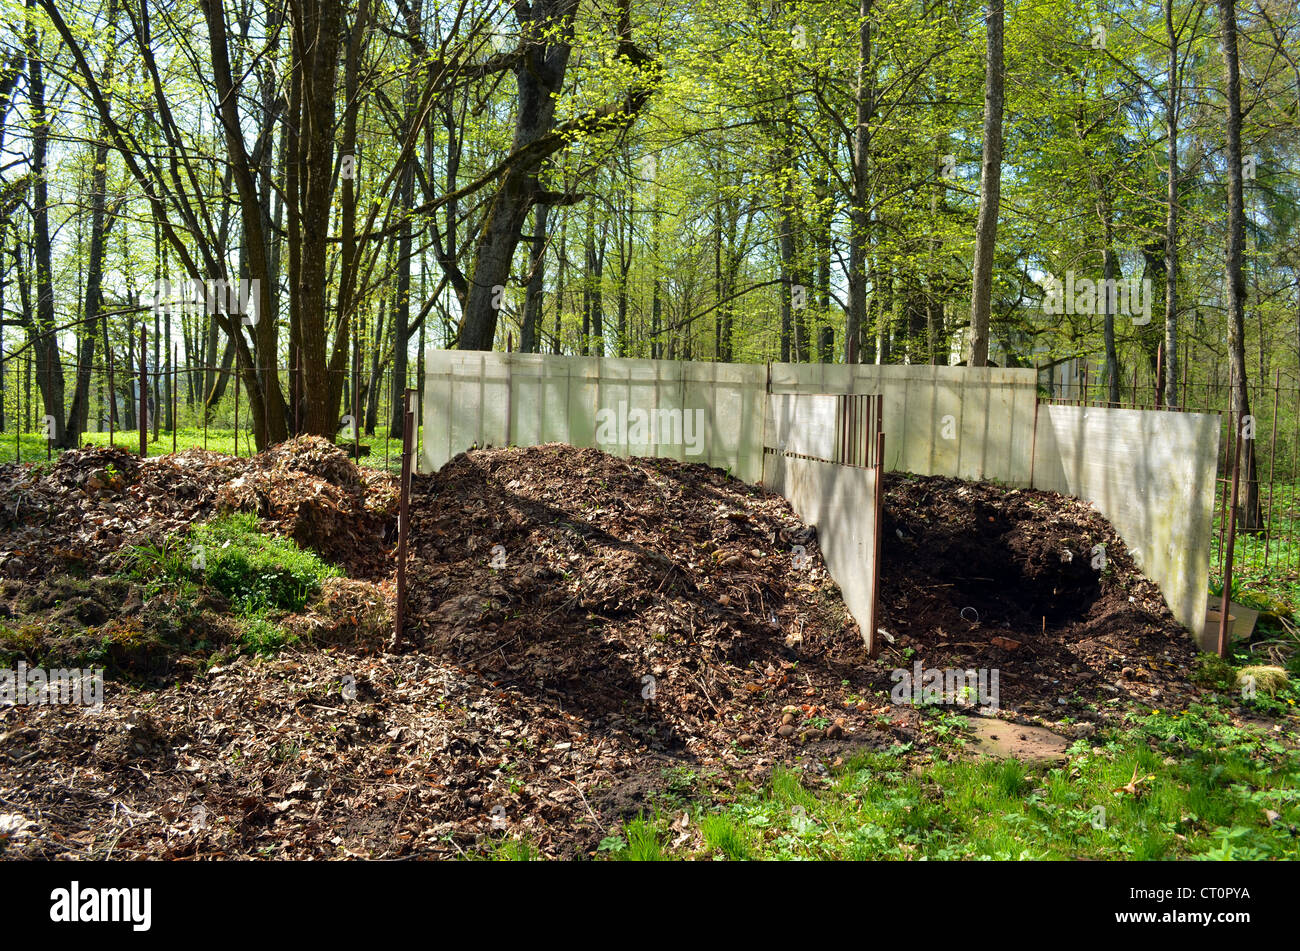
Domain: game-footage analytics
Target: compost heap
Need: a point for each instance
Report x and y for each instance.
(91, 503)
(609, 572)
(586, 636)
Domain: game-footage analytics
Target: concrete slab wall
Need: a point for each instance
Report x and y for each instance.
(1152, 475)
(967, 422)
(835, 499)
(695, 412)
(803, 424)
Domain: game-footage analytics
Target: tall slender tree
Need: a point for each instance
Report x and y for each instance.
(986, 229)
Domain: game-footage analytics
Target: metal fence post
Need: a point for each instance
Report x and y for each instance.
(1230, 541)
(144, 392)
(403, 514)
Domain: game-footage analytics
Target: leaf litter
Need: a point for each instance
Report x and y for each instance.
(588, 638)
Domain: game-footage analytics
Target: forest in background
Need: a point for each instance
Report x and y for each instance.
(889, 181)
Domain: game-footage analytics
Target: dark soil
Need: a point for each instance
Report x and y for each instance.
(975, 575)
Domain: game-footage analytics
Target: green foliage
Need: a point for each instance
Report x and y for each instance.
(162, 565)
(1172, 785)
(261, 575)
(516, 850)
(643, 843)
(257, 572)
(264, 637)
(722, 833)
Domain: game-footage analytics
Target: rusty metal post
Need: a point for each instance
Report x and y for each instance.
(403, 514)
(112, 400)
(1230, 542)
(236, 406)
(850, 448)
(879, 465)
(144, 392)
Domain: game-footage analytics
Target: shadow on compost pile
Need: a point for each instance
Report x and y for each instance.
(979, 575)
(663, 605)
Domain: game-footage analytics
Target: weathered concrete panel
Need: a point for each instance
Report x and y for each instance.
(836, 500)
(803, 424)
(693, 412)
(1152, 475)
(972, 423)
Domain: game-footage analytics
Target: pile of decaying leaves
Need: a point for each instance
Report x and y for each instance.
(663, 602)
(310, 491)
(654, 624)
(91, 503)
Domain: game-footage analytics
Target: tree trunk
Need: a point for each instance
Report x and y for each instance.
(1169, 386)
(1110, 272)
(856, 318)
(786, 226)
(1248, 513)
(986, 229)
(539, 79)
(45, 344)
(375, 384)
(89, 331)
(561, 271)
(528, 337)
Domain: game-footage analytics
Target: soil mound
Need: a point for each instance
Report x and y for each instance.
(91, 503)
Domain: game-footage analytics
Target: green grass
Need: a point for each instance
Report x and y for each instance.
(33, 446)
(640, 842)
(1167, 786)
(515, 850)
(723, 834)
(257, 572)
(264, 637)
(263, 576)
